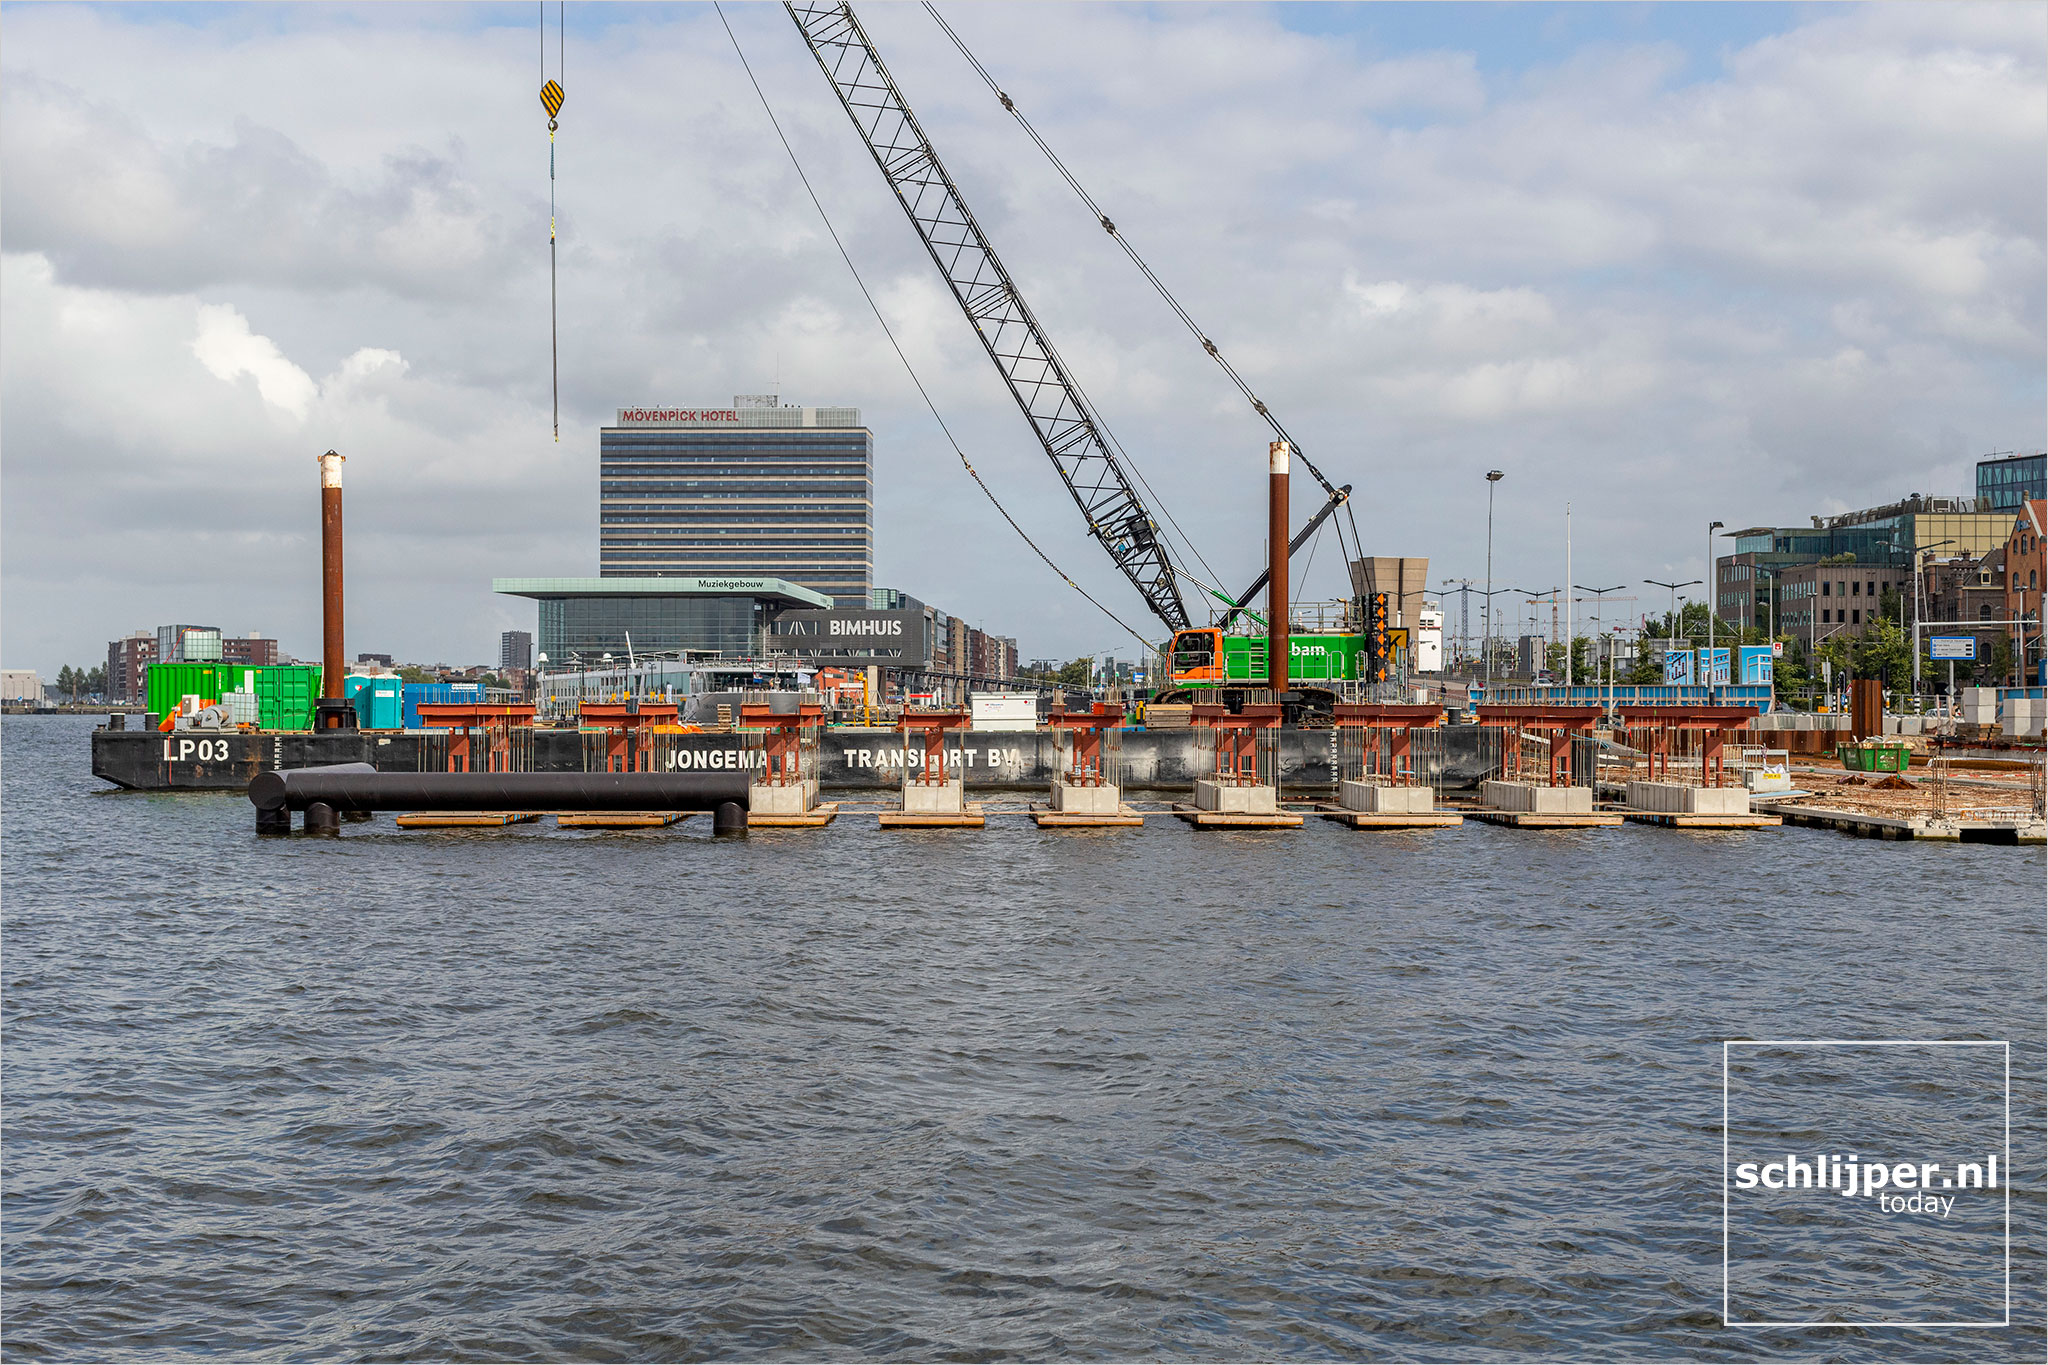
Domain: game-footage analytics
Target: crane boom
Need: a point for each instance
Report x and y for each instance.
(1051, 402)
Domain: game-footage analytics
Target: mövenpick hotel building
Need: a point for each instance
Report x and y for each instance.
(756, 490)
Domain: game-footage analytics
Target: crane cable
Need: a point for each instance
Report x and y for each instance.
(1110, 227)
(895, 346)
(551, 100)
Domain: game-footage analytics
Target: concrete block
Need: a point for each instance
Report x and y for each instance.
(792, 799)
(1377, 800)
(1234, 800)
(1980, 696)
(1527, 796)
(932, 798)
(1677, 798)
(1104, 800)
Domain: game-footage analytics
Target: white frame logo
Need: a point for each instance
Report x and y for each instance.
(1727, 1172)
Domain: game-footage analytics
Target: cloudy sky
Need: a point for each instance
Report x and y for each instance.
(1668, 264)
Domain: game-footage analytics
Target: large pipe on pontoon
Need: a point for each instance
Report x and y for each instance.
(333, 664)
(344, 787)
(1277, 639)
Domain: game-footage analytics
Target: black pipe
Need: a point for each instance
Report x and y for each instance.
(344, 787)
(729, 819)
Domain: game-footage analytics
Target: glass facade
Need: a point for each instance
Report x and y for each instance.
(785, 493)
(587, 628)
(2005, 485)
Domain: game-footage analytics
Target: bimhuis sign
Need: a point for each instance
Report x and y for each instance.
(852, 637)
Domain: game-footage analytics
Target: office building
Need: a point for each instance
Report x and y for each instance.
(757, 490)
(515, 650)
(582, 620)
(252, 651)
(128, 658)
(1750, 584)
(2008, 483)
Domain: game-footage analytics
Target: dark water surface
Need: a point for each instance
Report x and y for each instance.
(840, 1093)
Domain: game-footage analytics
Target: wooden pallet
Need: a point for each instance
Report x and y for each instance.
(1047, 818)
(1680, 820)
(620, 819)
(817, 817)
(1216, 819)
(970, 817)
(1359, 819)
(1525, 819)
(465, 819)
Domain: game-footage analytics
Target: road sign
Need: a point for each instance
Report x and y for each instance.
(1952, 646)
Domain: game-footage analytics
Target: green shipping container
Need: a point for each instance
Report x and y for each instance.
(285, 693)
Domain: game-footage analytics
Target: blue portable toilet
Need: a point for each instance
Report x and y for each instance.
(379, 701)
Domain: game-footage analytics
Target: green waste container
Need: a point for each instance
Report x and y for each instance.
(1874, 758)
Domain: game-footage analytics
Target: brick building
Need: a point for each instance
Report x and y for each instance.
(127, 658)
(2026, 576)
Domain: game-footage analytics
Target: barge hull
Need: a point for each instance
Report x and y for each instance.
(848, 760)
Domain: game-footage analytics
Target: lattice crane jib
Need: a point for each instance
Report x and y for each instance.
(1030, 366)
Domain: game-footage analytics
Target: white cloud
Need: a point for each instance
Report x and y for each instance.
(229, 350)
(1816, 274)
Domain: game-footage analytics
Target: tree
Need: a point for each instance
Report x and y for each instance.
(67, 681)
(96, 681)
(1075, 673)
(2001, 663)
(1884, 653)
(415, 675)
(1582, 668)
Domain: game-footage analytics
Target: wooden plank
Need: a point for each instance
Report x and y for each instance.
(464, 819)
(623, 819)
(970, 817)
(1359, 819)
(1522, 819)
(1213, 819)
(1047, 818)
(817, 817)
(1680, 820)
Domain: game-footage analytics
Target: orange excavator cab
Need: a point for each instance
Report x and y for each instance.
(1198, 656)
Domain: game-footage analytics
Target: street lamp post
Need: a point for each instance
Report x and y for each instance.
(1919, 571)
(1672, 642)
(1713, 605)
(1493, 476)
(1599, 614)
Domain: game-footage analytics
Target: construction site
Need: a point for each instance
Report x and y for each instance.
(1261, 711)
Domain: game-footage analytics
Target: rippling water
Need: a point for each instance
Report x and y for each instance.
(839, 1093)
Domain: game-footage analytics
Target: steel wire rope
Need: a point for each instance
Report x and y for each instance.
(1094, 409)
(908, 368)
(1215, 352)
